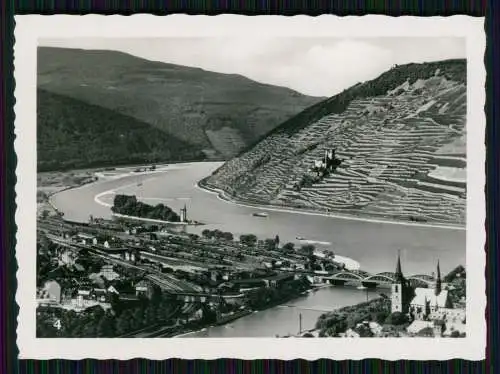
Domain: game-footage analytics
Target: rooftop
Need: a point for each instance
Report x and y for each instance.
(427, 294)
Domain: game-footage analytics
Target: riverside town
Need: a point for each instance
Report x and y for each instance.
(178, 201)
(120, 279)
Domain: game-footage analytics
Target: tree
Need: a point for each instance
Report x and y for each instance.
(426, 332)
(248, 239)
(381, 317)
(218, 234)
(193, 237)
(150, 316)
(364, 331)
(307, 249)
(123, 323)
(89, 330)
(311, 258)
(105, 327)
(288, 247)
(208, 234)
(458, 272)
(270, 244)
(208, 316)
(228, 236)
(396, 318)
(137, 319)
(44, 243)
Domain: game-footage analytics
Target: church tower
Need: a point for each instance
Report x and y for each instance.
(397, 289)
(437, 288)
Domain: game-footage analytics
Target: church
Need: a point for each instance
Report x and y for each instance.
(419, 303)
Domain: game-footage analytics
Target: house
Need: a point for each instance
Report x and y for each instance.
(136, 230)
(427, 301)
(449, 315)
(121, 288)
(79, 268)
(419, 325)
(144, 288)
(249, 283)
(101, 295)
(364, 329)
(316, 280)
(67, 257)
(278, 280)
(113, 290)
(227, 287)
(97, 279)
(300, 266)
(196, 316)
(237, 299)
(350, 333)
(84, 238)
(52, 290)
(130, 255)
(107, 271)
(84, 298)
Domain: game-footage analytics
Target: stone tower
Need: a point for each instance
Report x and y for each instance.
(184, 214)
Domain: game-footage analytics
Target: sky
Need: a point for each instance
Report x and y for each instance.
(312, 66)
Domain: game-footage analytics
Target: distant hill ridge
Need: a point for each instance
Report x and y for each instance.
(402, 140)
(72, 134)
(219, 113)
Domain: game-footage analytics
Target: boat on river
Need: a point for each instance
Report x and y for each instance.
(260, 214)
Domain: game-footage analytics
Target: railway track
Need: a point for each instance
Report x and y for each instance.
(165, 281)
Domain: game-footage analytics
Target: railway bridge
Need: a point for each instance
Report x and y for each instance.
(384, 279)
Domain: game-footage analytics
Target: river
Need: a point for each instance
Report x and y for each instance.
(374, 245)
(284, 319)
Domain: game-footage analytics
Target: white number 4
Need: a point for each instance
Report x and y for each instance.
(57, 324)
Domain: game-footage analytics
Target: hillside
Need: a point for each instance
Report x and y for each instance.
(73, 134)
(219, 113)
(401, 140)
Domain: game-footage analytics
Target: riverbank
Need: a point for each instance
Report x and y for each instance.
(124, 172)
(98, 175)
(299, 288)
(226, 320)
(224, 196)
(52, 183)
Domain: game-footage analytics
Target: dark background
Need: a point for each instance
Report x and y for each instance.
(8, 323)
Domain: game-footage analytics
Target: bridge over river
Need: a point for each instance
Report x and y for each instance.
(366, 279)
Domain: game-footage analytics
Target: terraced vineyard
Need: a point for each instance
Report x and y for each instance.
(403, 150)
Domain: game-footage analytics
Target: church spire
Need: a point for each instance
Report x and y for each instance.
(399, 273)
(437, 290)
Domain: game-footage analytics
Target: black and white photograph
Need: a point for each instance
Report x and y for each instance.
(200, 187)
